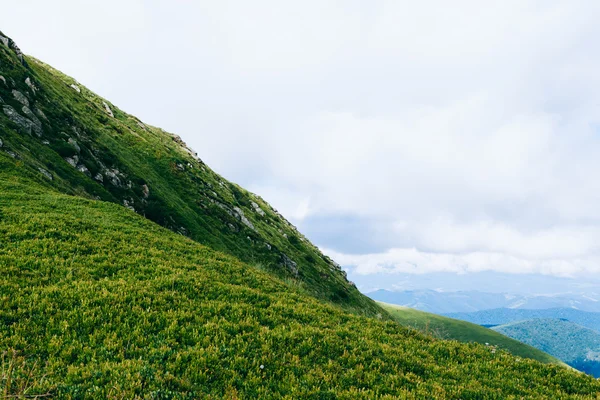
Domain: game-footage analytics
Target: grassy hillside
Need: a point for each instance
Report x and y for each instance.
(574, 344)
(448, 328)
(63, 135)
(99, 302)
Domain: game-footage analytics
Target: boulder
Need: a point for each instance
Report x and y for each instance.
(75, 88)
(37, 124)
(73, 143)
(3, 79)
(240, 215)
(84, 170)
(25, 124)
(257, 209)
(29, 83)
(46, 174)
(114, 176)
(72, 161)
(289, 264)
(20, 97)
(108, 110)
(41, 114)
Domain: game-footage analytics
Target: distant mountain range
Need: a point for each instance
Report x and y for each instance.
(440, 302)
(500, 316)
(574, 344)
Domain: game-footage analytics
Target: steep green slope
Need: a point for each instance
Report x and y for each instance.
(574, 344)
(466, 332)
(66, 136)
(99, 302)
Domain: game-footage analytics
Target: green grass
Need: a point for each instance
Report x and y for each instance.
(466, 332)
(185, 195)
(99, 302)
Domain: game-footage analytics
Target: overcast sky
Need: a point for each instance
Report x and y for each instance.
(400, 136)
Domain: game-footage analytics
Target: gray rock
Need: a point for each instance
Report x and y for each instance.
(84, 170)
(13, 46)
(75, 88)
(4, 40)
(108, 110)
(1, 143)
(31, 85)
(3, 79)
(12, 154)
(145, 191)
(40, 114)
(46, 174)
(45, 142)
(114, 177)
(99, 178)
(289, 264)
(72, 161)
(37, 124)
(240, 215)
(127, 204)
(20, 97)
(268, 246)
(73, 143)
(233, 227)
(257, 209)
(25, 124)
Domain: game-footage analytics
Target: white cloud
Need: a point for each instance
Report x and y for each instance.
(412, 261)
(467, 132)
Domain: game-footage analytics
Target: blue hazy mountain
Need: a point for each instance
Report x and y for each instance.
(442, 302)
(501, 316)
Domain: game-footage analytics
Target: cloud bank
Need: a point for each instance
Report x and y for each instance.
(453, 137)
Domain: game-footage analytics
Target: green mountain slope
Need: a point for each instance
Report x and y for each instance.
(448, 328)
(574, 344)
(128, 269)
(64, 135)
(99, 302)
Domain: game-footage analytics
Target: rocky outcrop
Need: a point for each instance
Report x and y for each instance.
(46, 174)
(84, 170)
(177, 139)
(289, 264)
(25, 124)
(75, 88)
(115, 177)
(8, 42)
(108, 110)
(37, 124)
(240, 215)
(3, 79)
(72, 161)
(20, 97)
(29, 83)
(41, 114)
(73, 143)
(257, 209)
